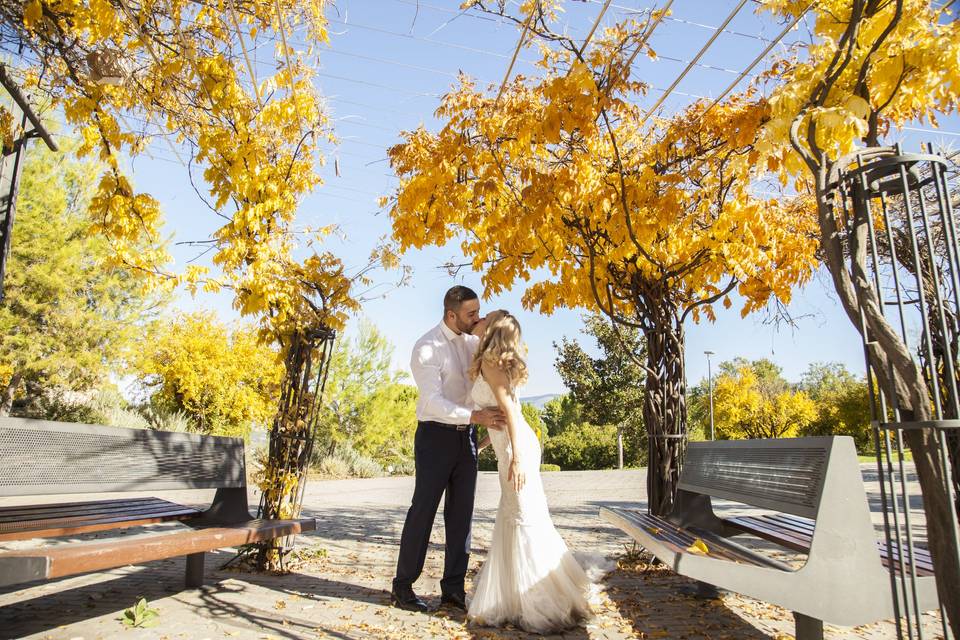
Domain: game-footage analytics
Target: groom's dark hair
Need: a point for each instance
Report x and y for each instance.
(456, 296)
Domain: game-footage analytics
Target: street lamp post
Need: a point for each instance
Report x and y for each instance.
(710, 390)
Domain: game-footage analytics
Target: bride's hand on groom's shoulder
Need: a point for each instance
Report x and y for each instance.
(490, 418)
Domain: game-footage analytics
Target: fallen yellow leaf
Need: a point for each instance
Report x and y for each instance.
(699, 547)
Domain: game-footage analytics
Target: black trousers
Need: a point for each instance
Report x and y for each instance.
(446, 462)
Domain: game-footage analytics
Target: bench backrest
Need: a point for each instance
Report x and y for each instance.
(787, 475)
(38, 457)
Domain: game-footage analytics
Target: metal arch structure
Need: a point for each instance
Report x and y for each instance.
(909, 202)
(11, 163)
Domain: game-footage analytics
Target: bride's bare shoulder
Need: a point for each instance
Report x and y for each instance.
(494, 375)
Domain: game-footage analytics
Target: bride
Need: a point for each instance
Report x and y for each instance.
(530, 578)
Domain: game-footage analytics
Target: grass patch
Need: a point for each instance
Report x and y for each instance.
(907, 455)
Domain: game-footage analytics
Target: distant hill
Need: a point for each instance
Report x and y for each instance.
(539, 401)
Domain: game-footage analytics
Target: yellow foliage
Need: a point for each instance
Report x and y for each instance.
(6, 372)
(182, 76)
(222, 378)
(899, 64)
(744, 407)
(6, 129)
(564, 176)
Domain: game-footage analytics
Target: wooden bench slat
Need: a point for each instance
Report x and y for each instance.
(77, 558)
(21, 512)
(805, 524)
(767, 532)
(681, 539)
(803, 528)
(77, 514)
(769, 528)
(79, 524)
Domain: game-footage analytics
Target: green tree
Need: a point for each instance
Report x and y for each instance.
(366, 404)
(843, 403)
(560, 414)
(388, 419)
(610, 388)
(532, 415)
(68, 315)
(583, 446)
(223, 378)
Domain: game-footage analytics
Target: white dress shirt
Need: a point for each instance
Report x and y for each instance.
(439, 363)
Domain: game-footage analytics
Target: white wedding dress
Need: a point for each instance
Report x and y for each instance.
(530, 578)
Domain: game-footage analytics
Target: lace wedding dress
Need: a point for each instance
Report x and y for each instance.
(530, 578)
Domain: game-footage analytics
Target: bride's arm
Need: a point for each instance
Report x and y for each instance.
(500, 384)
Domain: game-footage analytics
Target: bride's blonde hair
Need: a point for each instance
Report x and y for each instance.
(500, 347)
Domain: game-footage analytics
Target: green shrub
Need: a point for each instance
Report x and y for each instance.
(403, 468)
(161, 421)
(365, 467)
(334, 467)
(347, 462)
(549, 467)
(582, 447)
(488, 459)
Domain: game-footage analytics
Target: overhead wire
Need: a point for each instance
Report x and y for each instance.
(696, 58)
(286, 54)
(759, 58)
(634, 10)
(516, 52)
(246, 56)
(593, 29)
(648, 32)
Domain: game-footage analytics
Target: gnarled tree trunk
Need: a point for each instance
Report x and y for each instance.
(665, 411)
(284, 476)
(844, 237)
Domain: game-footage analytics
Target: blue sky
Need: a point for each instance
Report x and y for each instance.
(387, 64)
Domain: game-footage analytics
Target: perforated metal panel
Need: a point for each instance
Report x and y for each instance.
(786, 475)
(39, 457)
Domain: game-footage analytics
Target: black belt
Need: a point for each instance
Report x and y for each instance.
(444, 425)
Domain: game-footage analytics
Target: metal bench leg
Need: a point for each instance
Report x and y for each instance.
(808, 628)
(195, 570)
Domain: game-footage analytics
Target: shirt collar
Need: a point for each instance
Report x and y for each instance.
(447, 331)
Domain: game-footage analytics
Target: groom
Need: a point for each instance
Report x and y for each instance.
(445, 450)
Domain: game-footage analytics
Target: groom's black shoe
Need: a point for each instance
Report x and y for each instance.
(456, 600)
(406, 599)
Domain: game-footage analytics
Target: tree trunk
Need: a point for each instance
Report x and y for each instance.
(291, 441)
(936, 505)
(619, 447)
(6, 398)
(898, 375)
(665, 413)
(953, 448)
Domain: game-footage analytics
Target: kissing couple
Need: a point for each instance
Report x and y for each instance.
(467, 370)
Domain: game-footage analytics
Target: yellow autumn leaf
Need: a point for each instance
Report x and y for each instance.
(698, 547)
(32, 13)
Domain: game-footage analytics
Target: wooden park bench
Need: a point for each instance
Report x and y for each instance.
(53, 458)
(815, 487)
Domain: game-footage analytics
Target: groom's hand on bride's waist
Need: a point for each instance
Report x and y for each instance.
(490, 418)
